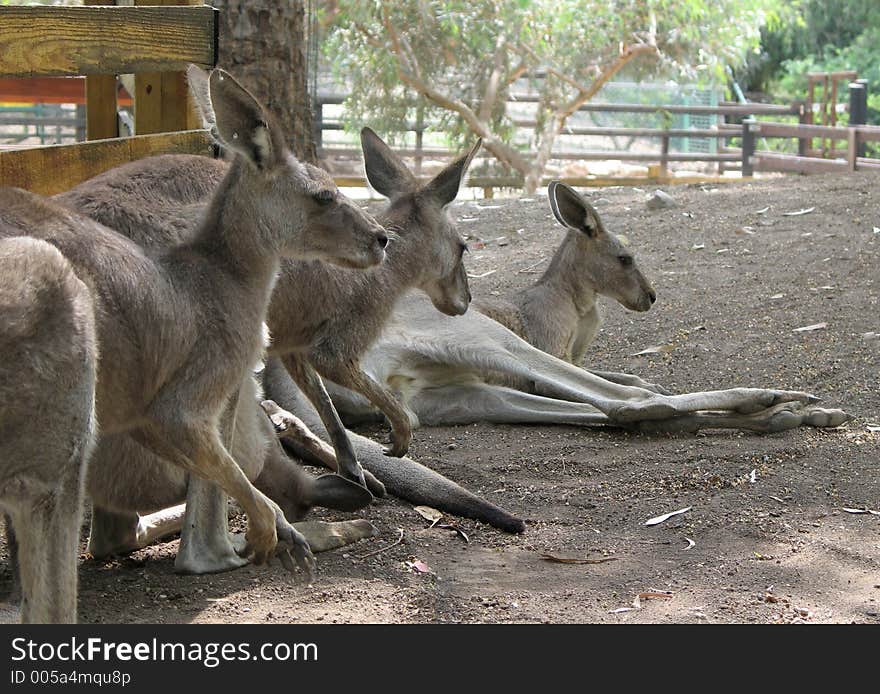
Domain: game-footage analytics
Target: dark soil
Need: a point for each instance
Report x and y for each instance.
(733, 284)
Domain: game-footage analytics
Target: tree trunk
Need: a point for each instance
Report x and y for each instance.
(548, 137)
(263, 44)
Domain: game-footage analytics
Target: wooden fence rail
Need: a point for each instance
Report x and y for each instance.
(854, 135)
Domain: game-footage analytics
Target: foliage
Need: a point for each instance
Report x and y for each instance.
(459, 59)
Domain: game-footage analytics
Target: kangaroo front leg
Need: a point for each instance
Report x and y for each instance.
(308, 445)
(355, 379)
(311, 384)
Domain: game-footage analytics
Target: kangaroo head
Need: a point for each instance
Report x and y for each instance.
(293, 205)
(603, 260)
(420, 212)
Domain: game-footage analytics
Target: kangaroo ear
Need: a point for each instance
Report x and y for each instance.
(571, 210)
(386, 171)
(333, 491)
(201, 93)
(444, 187)
(241, 123)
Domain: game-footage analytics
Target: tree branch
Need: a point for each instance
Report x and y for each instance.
(586, 93)
(412, 78)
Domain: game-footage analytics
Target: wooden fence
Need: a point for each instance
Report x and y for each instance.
(745, 158)
(154, 42)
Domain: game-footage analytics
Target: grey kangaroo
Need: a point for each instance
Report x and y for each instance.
(179, 328)
(510, 360)
(47, 420)
(321, 318)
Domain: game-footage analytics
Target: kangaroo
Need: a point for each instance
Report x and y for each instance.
(179, 328)
(474, 368)
(321, 318)
(47, 420)
(560, 314)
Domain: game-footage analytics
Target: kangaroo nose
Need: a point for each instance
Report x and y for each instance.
(652, 295)
(382, 240)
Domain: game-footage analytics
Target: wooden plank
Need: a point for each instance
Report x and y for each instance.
(734, 131)
(49, 90)
(162, 102)
(101, 108)
(766, 161)
(50, 170)
(869, 133)
(50, 41)
(101, 119)
(767, 129)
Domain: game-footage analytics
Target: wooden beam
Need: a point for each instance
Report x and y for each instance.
(162, 102)
(771, 161)
(50, 170)
(101, 116)
(102, 120)
(49, 41)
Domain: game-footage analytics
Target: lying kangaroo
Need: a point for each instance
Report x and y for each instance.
(179, 328)
(320, 317)
(473, 368)
(47, 419)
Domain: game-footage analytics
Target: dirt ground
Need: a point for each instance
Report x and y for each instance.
(734, 277)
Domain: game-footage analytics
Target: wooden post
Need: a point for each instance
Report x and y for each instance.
(852, 147)
(748, 145)
(664, 156)
(804, 143)
(858, 108)
(101, 119)
(161, 99)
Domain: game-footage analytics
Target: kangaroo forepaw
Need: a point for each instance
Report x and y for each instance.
(294, 551)
(261, 537)
(401, 438)
(377, 489)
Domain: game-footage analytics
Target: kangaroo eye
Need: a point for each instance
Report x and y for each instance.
(625, 260)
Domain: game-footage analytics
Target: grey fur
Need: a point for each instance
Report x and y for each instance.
(47, 419)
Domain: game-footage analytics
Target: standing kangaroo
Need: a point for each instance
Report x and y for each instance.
(479, 368)
(47, 419)
(179, 328)
(321, 318)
